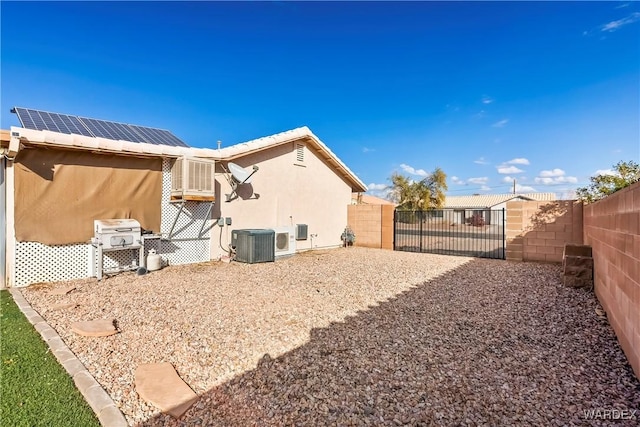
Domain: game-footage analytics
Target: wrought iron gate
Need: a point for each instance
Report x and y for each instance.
(465, 232)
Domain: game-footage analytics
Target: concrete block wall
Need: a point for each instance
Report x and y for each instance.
(612, 229)
(372, 225)
(538, 231)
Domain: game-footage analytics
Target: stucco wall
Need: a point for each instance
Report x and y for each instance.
(285, 192)
(612, 228)
(538, 231)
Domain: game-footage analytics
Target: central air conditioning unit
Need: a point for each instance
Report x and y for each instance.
(285, 241)
(193, 179)
(253, 246)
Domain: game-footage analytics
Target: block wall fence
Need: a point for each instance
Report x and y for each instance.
(372, 225)
(612, 229)
(538, 231)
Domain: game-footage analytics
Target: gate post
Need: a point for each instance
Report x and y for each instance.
(504, 233)
(395, 219)
(420, 234)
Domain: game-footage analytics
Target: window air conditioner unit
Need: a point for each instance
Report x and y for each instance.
(285, 241)
(253, 246)
(193, 179)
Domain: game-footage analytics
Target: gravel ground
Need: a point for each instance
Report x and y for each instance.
(355, 337)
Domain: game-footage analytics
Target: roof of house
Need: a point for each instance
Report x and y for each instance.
(367, 199)
(62, 140)
(490, 200)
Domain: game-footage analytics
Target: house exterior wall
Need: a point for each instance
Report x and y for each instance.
(290, 192)
(612, 229)
(538, 231)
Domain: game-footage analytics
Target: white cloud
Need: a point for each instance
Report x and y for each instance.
(622, 5)
(507, 179)
(479, 180)
(504, 169)
(413, 171)
(556, 180)
(377, 187)
(379, 190)
(517, 161)
(525, 189)
(616, 25)
(481, 161)
(485, 188)
(486, 100)
(605, 172)
(457, 180)
(552, 173)
(368, 150)
(500, 124)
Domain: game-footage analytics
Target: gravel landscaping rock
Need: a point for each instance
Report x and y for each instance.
(354, 336)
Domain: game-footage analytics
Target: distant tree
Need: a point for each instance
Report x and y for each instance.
(626, 173)
(427, 193)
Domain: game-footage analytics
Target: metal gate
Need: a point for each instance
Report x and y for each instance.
(469, 232)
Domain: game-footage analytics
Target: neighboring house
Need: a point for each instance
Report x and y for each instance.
(53, 185)
(460, 209)
(367, 199)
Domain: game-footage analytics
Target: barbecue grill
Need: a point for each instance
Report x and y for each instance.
(115, 235)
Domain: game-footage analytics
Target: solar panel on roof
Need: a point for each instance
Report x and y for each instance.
(110, 130)
(63, 123)
(164, 136)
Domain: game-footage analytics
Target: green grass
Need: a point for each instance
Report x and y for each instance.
(35, 390)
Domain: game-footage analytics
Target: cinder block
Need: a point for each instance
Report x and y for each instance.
(555, 243)
(546, 235)
(534, 257)
(555, 227)
(545, 250)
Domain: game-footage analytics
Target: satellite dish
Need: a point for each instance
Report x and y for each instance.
(239, 176)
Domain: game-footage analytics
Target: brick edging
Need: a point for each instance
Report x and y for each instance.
(104, 407)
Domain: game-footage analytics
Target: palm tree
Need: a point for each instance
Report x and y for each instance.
(427, 193)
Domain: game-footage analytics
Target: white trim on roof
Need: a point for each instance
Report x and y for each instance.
(63, 140)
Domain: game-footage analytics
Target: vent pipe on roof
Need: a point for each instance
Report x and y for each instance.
(219, 144)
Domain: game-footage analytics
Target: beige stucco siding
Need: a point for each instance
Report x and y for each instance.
(290, 192)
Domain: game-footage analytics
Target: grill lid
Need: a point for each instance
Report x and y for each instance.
(110, 225)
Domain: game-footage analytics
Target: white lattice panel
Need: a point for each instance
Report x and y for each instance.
(187, 226)
(36, 262)
(186, 252)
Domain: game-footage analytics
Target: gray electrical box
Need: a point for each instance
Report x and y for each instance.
(253, 246)
(302, 231)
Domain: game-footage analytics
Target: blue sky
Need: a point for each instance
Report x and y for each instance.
(546, 93)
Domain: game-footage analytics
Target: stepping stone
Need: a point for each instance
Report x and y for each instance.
(94, 328)
(63, 306)
(160, 385)
(62, 291)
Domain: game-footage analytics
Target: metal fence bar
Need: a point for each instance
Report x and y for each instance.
(451, 232)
